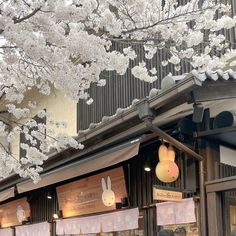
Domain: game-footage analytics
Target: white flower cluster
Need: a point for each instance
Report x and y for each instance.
(141, 72)
(38, 140)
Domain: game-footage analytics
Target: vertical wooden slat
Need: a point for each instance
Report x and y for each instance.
(42, 209)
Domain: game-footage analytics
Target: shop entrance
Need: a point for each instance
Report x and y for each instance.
(229, 212)
(221, 207)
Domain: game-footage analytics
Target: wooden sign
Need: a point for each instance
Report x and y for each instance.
(97, 193)
(13, 213)
(167, 195)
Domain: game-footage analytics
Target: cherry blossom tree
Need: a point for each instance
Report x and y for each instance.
(67, 44)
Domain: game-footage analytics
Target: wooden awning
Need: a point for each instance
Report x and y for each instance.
(4, 195)
(84, 166)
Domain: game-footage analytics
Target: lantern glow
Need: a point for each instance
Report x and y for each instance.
(166, 170)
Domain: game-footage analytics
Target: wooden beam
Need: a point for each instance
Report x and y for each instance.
(215, 131)
(224, 184)
(215, 91)
(156, 130)
(212, 155)
(214, 210)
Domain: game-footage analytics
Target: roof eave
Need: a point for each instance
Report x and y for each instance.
(182, 89)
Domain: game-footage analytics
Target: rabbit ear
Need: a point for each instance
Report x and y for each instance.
(104, 187)
(108, 183)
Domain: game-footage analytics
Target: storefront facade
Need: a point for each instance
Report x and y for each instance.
(75, 187)
(84, 200)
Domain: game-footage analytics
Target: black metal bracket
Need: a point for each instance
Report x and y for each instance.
(144, 110)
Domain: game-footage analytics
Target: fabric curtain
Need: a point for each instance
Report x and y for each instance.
(110, 222)
(171, 213)
(40, 229)
(6, 232)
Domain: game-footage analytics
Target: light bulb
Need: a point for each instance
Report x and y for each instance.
(55, 216)
(147, 168)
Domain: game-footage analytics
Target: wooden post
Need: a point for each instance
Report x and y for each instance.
(203, 216)
(215, 222)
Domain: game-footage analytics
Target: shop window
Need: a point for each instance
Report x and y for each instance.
(227, 156)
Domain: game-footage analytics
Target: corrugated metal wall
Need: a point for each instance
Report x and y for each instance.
(121, 90)
(42, 208)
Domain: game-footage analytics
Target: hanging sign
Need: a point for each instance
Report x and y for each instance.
(167, 195)
(97, 193)
(14, 212)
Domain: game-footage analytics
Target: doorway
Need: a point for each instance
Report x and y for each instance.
(221, 206)
(229, 211)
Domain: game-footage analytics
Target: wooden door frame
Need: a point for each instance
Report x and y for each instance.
(227, 202)
(214, 191)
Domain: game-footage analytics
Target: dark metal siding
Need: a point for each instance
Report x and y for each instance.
(227, 170)
(120, 91)
(42, 209)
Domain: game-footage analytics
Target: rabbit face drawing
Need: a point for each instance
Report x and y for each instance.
(108, 196)
(20, 213)
(166, 170)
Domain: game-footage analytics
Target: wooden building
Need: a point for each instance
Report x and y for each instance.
(188, 110)
(191, 111)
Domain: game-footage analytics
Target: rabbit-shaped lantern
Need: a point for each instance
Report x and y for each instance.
(166, 170)
(108, 196)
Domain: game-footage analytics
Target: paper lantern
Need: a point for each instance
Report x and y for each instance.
(166, 170)
(171, 154)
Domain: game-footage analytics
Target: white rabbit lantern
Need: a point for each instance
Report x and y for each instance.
(166, 170)
(108, 196)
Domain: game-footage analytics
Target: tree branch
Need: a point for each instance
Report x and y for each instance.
(19, 20)
(7, 47)
(26, 3)
(163, 21)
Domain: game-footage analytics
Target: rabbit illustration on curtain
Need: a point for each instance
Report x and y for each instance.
(20, 214)
(108, 196)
